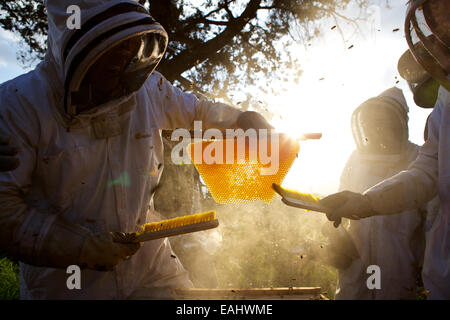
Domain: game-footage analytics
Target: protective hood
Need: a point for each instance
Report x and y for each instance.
(104, 24)
(427, 34)
(392, 99)
(423, 86)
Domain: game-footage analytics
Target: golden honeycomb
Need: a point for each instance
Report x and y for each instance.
(240, 179)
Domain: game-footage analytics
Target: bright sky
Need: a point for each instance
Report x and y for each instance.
(351, 76)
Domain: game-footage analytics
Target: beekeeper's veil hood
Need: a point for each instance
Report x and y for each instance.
(426, 65)
(104, 25)
(380, 124)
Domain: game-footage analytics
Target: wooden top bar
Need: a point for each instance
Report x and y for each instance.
(294, 293)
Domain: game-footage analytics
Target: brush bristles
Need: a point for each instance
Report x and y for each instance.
(288, 193)
(179, 222)
(307, 197)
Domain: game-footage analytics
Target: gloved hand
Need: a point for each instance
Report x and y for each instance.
(7, 152)
(347, 204)
(341, 250)
(252, 120)
(102, 251)
(69, 243)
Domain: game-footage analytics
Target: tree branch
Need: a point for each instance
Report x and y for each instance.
(193, 22)
(193, 56)
(219, 23)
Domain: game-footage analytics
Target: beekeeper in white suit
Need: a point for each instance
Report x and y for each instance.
(87, 122)
(394, 243)
(429, 174)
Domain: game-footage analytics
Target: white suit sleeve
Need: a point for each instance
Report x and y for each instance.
(21, 227)
(178, 109)
(414, 187)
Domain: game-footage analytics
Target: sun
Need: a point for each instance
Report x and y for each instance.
(338, 75)
(331, 88)
(319, 163)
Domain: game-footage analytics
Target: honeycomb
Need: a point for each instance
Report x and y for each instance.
(241, 179)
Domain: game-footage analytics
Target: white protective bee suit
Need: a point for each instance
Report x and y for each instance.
(98, 170)
(427, 176)
(394, 243)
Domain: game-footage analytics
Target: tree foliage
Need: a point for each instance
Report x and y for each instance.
(28, 19)
(222, 44)
(215, 45)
